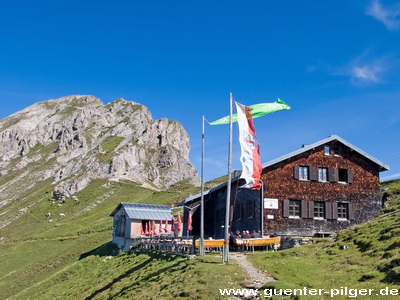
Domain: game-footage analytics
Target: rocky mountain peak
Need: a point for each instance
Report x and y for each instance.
(75, 139)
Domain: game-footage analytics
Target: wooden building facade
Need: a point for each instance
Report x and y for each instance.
(321, 188)
(317, 190)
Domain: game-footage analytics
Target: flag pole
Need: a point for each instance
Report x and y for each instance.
(228, 191)
(202, 192)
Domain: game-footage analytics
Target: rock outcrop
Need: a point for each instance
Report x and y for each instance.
(75, 139)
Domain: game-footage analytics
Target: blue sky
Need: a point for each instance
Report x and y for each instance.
(336, 63)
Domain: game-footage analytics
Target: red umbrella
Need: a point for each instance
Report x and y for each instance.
(190, 228)
(150, 230)
(146, 232)
(166, 225)
(161, 227)
(173, 224)
(154, 228)
(142, 231)
(179, 223)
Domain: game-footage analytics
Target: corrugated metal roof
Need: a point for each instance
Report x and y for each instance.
(140, 211)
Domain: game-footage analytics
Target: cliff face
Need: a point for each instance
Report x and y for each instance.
(74, 139)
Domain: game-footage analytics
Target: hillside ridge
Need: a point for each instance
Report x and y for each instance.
(75, 139)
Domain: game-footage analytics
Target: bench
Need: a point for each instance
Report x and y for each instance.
(263, 242)
(211, 244)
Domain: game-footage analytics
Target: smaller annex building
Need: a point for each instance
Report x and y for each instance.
(316, 190)
(135, 220)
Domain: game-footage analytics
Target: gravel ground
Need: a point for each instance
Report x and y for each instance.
(257, 278)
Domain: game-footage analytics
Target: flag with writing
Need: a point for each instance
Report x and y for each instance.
(250, 148)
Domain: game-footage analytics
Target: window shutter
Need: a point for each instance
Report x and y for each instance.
(314, 173)
(349, 176)
(351, 212)
(285, 208)
(311, 209)
(334, 211)
(296, 172)
(304, 209)
(333, 175)
(328, 210)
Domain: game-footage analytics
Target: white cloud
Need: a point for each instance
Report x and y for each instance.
(366, 73)
(368, 68)
(390, 17)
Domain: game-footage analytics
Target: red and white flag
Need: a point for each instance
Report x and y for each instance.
(250, 154)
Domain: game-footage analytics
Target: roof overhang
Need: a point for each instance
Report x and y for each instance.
(381, 165)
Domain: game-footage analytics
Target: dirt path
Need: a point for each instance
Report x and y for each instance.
(257, 278)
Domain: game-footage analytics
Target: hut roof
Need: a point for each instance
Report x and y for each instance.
(305, 148)
(139, 211)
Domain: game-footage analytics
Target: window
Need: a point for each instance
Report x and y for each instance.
(327, 150)
(343, 175)
(294, 208)
(343, 210)
(323, 174)
(319, 209)
(304, 173)
(337, 151)
(297, 209)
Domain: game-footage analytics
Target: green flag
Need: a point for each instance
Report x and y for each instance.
(257, 110)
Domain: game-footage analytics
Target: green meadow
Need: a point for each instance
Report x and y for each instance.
(366, 256)
(46, 256)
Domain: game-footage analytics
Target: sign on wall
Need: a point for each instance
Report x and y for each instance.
(270, 203)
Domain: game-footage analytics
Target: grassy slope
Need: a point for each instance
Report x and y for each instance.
(32, 248)
(371, 260)
(138, 275)
(59, 260)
